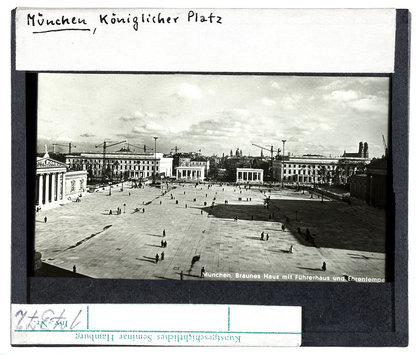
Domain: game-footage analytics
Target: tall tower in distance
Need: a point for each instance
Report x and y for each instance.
(365, 150)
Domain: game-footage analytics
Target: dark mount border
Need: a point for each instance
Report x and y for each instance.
(334, 314)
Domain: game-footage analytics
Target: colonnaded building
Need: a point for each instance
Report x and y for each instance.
(54, 185)
(249, 175)
(319, 169)
(121, 165)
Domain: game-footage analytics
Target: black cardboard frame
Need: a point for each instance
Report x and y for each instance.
(333, 314)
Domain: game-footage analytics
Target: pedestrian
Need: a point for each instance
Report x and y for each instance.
(129, 194)
(324, 266)
(160, 202)
(252, 217)
(45, 219)
(161, 243)
(164, 244)
(262, 236)
(202, 271)
(162, 256)
(201, 212)
(164, 233)
(267, 236)
(181, 275)
(283, 227)
(157, 258)
(74, 268)
(291, 249)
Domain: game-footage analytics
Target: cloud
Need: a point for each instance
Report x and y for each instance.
(289, 102)
(268, 102)
(137, 115)
(87, 135)
(64, 139)
(188, 91)
(324, 126)
(371, 104)
(41, 136)
(341, 95)
(275, 85)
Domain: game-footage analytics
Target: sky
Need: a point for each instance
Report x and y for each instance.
(214, 113)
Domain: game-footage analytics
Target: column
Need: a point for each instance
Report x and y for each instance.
(63, 186)
(58, 186)
(53, 177)
(40, 189)
(47, 188)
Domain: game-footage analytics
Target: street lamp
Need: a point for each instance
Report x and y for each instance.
(282, 165)
(124, 207)
(154, 175)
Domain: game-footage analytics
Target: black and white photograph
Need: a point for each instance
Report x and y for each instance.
(203, 176)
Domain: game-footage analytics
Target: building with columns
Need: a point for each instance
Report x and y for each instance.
(249, 175)
(190, 173)
(54, 185)
(50, 181)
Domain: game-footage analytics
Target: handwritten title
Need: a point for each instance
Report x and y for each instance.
(61, 23)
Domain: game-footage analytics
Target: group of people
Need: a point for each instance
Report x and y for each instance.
(118, 211)
(162, 257)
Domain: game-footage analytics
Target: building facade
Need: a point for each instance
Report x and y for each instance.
(371, 186)
(76, 183)
(249, 175)
(54, 185)
(49, 181)
(121, 165)
(317, 169)
(190, 173)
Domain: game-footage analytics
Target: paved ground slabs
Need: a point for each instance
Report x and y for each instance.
(217, 228)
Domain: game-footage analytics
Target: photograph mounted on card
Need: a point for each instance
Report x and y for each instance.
(212, 177)
(225, 157)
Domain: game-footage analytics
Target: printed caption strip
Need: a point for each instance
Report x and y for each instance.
(156, 324)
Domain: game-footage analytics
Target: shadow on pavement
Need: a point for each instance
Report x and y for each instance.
(48, 270)
(153, 245)
(334, 228)
(150, 260)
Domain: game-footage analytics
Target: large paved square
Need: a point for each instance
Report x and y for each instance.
(225, 239)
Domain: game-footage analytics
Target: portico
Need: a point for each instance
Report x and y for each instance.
(249, 175)
(195, 173)
(50, 181)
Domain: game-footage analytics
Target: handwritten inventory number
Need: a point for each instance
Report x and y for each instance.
(47, 320)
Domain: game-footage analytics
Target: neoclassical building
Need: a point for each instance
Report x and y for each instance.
(54, 185)
(50, 181)
(126, 165)
(249, 175)
(318, 169)
(190, 173)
